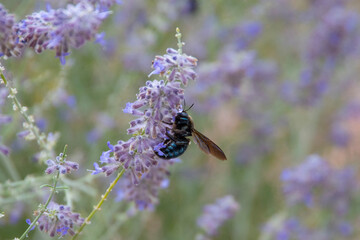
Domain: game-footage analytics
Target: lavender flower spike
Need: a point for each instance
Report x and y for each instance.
(61, 29)
(61, 164)
(157, 102)
(175, 65)
(59, 220)
(315, 183)
(9, 41)
(214, 215)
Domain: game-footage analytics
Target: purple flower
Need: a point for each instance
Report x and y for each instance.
(315, 183)
(281, 228)
(28, 221)
(337, 33)
(214, 215)
(145, 193)
(180, 66)
(340, 134)
(156, 105)
(59, 220)
(61, 29)
(101, 4)
(9, 41)
(286, 229)
(61, 165)
(97, 169)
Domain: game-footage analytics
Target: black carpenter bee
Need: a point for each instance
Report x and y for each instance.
(178, 142)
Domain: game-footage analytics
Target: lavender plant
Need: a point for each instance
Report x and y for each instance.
(51, 217)
(214, 215)
(321, 190)
(277, 82)
(157, 103)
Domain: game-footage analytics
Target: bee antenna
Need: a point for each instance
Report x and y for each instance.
(189, 107)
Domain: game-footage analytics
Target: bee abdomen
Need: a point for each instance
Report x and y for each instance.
(172, 150)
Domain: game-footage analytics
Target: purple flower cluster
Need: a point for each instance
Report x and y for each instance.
(176, 66)
(286, 229)
(144, 194)
(294, 228)
(101, 4)
(61, 164)
(315, 183)
(214, 215)
(9, 41)
(157, 104)
(333, 41)
(59, 220)
(340, 133)
(325, 191)
(61, 29)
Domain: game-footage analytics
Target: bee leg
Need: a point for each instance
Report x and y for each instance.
(167, 123)
(179, 131)
(169, 135)
(179, 142)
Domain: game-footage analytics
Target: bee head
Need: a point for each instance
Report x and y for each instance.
(183, 114)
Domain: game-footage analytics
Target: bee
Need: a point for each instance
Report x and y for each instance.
(178, 142)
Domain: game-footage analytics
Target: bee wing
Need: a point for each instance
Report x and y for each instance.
(208, 146)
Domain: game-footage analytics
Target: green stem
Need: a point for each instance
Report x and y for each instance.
(32, 128)
(98, 206)
(40, 141)
(9, 165)
(3, 78)
(180, 43)
(44, 208)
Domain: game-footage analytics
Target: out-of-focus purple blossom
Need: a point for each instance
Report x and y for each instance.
(340, 134)
(59, 220)
(317, 8)
(145, 194)
(16, 213)
(214, 215)
(314, 182)
(4, 150)
(4, 119)
(23, 134)
(9, 42)
(61, 29)
(335, 36)
(286, 229)
(103, 122)
(294, 228)
(41, 123)
(61, 164)
(246, 33)
(100, 4)
(334, 40)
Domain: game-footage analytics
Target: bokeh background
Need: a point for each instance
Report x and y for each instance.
(278, 87)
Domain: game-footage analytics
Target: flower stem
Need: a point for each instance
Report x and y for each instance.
(43, 208)
(9, 165)
(98, 206)
(34, 130)
(3, 78)
(40, 137)
(180, 44)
